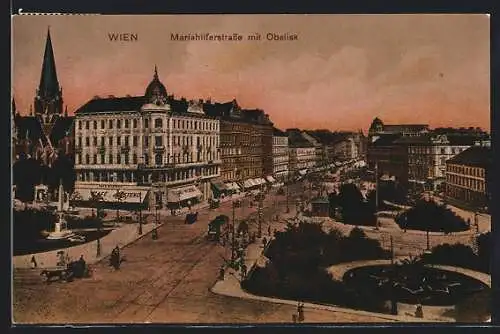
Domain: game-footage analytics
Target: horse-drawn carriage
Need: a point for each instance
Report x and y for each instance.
(74, 269)
(191, 218)
(214, 203)
(215, 227)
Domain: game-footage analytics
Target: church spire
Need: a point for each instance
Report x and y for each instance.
(49, 86)
(14, 109)
(49, 94)
(156, 72)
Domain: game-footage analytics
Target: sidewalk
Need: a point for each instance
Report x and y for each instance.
(121, 236)
(230, 285)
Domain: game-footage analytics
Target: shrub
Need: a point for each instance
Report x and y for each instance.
(427, 215)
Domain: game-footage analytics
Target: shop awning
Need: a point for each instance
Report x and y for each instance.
(303, 171)
(249, 183)
(259, 181)
(110, 195)
(183, 193)
(220, 186)
(270, 179)
(232, 186)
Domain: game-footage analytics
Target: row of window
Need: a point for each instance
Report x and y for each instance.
(176, 140)
(158, 123)
(474, 184)
(429, 150)
(126, 159)
(472, 171)
(106, 176)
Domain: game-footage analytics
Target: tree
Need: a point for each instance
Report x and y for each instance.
(96, 200)
(26, 175)
(430, 216)
(454, 255)
(119, 196)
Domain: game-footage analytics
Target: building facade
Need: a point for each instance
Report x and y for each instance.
(389, 156)
(280, 155)
(468, 177)
(427, 156)
(158, 150)
(245, 146)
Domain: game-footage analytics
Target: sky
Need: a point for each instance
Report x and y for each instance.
(340, 73)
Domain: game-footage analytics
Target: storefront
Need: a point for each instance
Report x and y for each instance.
(219, 189)
(232, 187)
(123, 196)
(183, 197)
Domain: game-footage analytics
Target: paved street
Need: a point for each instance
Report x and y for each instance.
(164, 281)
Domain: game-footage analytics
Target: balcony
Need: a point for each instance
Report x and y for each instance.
(125, 149)
(159, 148)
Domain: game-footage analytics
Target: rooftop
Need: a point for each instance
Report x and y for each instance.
(474, 156)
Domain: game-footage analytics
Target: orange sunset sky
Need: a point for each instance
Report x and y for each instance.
(342, 72)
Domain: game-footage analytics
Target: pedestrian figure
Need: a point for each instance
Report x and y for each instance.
(33, 262)
(221, 273)
(419, 313)
(300, 311)
(264, 242)
(243, 271)
(269, 230)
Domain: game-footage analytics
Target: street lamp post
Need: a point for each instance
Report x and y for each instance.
(233, 239)
(287, 185)
(476, 221)
(140, 213)
(259, 231)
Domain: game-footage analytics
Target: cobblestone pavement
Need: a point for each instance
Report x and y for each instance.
(163, 281)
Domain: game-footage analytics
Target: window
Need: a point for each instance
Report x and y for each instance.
(118, 140)
(102, 141)
(103, 124)
(87, 125)
(146, 141)
(134, 123)
(78, 159)
(110, 123)
(146, 123)
(443, 151)
(134, 141)
(126, 124)
(158, 159)
(87, 141)
(87, 159)
(158, 123)
(146, 158)
(110, 140)
(126, 159)
(158, 140)
(134, 159)
(118, 158)
(118, 124)
(110, 158)
(95, 125)
(102, 159)
(80, 141)
(126, 140)
(95, 158)
(94, 141)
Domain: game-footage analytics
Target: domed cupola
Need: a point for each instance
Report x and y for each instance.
(377, 125)
(156, 92)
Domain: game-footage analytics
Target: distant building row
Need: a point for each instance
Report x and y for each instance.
(421, 159)
(164, 151)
